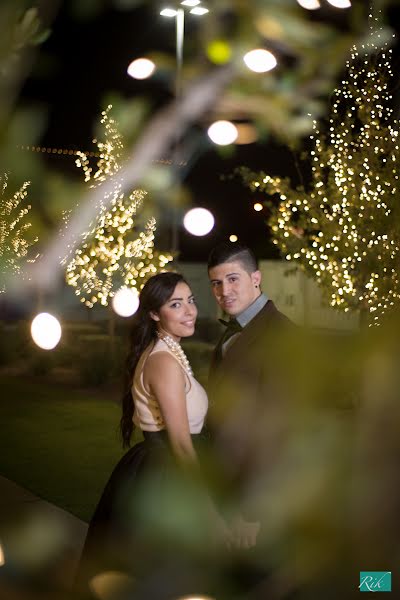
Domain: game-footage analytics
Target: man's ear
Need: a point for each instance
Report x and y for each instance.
(154, 316)
(256, 278)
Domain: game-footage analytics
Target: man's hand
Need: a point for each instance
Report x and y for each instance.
(244, 532)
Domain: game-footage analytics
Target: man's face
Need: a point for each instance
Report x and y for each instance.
(233, 287)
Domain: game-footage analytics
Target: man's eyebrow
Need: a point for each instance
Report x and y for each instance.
(227, 275)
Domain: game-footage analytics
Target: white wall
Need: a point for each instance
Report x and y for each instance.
(299, 297)
(294, 294)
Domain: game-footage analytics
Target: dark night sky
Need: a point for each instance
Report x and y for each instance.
(84, 59)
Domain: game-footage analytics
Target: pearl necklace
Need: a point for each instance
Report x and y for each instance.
(177, 351)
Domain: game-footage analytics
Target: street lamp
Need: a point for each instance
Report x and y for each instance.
(179, 14)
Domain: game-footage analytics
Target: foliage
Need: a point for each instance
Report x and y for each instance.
(343, 228)
(311, 48)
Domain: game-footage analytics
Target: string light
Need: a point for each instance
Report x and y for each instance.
(342, 230)
(112, 253)
(91, 154)
(14, 243)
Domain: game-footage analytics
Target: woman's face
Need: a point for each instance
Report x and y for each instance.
(177, 317)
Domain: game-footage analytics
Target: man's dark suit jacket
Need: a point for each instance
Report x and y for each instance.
(246, 405)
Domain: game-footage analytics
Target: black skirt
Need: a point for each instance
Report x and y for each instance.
(150, 524)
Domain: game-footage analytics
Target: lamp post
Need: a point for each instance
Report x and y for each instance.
(194, 7)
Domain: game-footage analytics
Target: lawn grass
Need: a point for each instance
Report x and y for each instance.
(59, 443)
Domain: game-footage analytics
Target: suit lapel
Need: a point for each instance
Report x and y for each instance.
(243, 341)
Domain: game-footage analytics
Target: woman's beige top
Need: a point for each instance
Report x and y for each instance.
(147, 414)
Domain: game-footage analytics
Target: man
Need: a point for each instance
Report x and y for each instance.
(245, 416)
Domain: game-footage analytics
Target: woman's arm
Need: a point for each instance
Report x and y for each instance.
(165, 378)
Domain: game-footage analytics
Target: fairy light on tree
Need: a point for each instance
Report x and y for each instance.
(343, 229)
(113, 253)
(14, 241)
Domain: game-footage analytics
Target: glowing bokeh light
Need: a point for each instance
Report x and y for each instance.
(222, 133)
(191, 3)
(199, 10)
(247, 133)
(46, 331)
(340, 3)
(198, 221)
(110, 585)
(141, 68)
(258, 206)
(125, 302)
(196, 598)
(219, 51)
(168, 12)
(260, 60)
(309, 4)
(233, 238)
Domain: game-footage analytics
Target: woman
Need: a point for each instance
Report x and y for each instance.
(143, 512)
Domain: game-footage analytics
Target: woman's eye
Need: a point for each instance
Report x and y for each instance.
(175, 305)
(192, 301)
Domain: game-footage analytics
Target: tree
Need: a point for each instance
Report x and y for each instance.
(343, 228)
(14, 243)
(113, 253)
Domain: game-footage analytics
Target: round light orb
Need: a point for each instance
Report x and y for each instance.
(110, 585)
(309, 4)
(222, 133)
(258, 206)
(46, 331)
(219, 51)
(247, 133)
(196, 598)
(198, 221)
(141, 68)
(125, 302)
(233, 238)
(260, 60)
(340, 3)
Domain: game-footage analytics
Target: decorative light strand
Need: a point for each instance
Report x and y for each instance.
(342, 229)
(14, 243)
(112, 253)
(91, 154)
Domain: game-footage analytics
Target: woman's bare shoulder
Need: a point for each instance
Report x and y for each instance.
(162, 363)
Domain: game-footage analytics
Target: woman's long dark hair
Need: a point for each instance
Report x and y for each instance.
(156, 292)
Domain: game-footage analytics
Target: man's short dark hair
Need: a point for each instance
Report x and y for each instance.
(230, 252)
